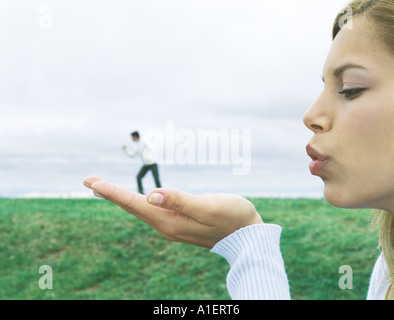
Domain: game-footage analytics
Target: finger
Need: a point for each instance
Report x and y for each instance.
(88, 181)
(172, 225)
(116, 194)
(134, 203)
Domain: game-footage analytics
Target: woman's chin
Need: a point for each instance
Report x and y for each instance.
(350, 199)
(340, 198)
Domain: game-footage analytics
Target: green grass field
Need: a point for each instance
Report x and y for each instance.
(97, 251)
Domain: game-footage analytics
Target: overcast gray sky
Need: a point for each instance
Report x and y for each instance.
(78, 76)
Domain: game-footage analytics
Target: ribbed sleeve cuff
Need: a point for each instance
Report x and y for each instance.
(257, 268)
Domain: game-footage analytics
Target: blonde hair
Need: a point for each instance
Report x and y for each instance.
(381, 15)
(384, 221)
(379, 12)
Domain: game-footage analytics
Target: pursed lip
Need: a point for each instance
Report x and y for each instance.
(318, 160)
(315, 155)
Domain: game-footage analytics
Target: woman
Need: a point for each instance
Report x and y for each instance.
(352, 150)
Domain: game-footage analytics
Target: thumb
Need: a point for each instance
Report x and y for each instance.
(208, 209)
(179, 201)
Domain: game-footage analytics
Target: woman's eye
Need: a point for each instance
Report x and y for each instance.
(351, 93)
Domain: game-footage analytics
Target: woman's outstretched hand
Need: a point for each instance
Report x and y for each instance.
(179, 216)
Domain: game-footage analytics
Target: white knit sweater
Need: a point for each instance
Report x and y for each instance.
(257, 269)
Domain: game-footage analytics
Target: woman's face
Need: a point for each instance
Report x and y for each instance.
(353, 122)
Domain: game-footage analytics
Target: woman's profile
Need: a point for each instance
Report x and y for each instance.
(352, 151)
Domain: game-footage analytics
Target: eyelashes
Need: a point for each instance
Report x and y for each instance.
(351, 93)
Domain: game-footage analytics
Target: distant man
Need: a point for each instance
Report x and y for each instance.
(143, 150)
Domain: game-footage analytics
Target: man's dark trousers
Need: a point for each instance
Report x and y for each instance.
(142, 173)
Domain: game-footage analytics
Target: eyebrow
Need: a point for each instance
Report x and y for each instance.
(338, 72)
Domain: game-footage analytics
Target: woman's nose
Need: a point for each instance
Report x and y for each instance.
(317, 117)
